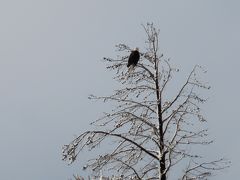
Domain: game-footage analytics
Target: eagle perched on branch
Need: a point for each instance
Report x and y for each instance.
(133, 58)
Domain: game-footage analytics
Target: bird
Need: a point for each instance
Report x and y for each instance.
(133, 58)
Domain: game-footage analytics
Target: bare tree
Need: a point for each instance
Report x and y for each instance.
(151, 130)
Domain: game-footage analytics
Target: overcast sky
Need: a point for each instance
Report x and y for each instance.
(50, 61)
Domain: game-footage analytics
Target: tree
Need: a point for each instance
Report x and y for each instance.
(151, 130)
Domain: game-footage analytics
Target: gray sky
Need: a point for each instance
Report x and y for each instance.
(50, 53)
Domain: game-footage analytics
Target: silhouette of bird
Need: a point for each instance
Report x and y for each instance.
(133, 58)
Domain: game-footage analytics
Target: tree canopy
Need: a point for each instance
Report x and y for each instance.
(151, 129)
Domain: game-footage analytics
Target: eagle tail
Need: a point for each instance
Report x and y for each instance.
(130, 70)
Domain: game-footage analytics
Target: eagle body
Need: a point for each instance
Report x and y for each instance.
(133, 58)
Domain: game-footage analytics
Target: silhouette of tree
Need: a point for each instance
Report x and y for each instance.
(151, 129)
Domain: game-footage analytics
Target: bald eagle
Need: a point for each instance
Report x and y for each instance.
(133, 58)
